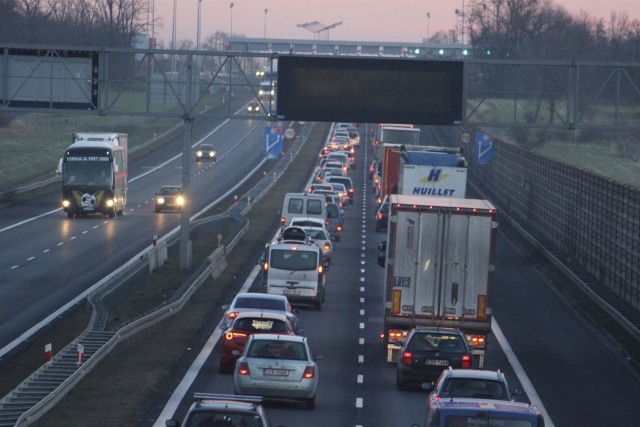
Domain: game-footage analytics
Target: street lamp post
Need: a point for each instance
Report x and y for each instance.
(428, 22)
(265, 22)
(231, 19)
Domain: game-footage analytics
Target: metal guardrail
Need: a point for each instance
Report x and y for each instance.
(217, 262)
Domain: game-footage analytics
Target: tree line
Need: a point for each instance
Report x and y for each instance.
(542, 30)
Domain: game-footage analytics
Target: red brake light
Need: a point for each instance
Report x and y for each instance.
(406, 358)
(466, 361)
(320, 269)
(265, 266)
(243, 368)
(339, 228)
(309, 372)
(379, 216)
(326, 246)
(233, 315)
(282, 220)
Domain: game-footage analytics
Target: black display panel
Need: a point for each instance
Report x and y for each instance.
(370, 90)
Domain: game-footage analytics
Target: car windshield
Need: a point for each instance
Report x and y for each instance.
(264, 303)
(169, 190)
(277, 349)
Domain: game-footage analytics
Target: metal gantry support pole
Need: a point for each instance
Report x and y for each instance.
(187, 123)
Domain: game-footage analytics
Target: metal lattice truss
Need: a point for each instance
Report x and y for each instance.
(188, 83)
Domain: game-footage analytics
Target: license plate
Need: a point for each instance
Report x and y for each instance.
(437, 362)
(276, 372)
(291, 291)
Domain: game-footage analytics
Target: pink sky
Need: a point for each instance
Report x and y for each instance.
(362, 20)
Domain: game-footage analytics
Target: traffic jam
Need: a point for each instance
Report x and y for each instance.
(434, 334)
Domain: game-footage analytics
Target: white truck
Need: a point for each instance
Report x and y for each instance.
(439, 268)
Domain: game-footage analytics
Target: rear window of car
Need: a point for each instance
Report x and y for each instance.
(295, 206)
(267, 304)
(437, 342)
(333, 211)
(222, 418)
(259, 324)
(278, 350)
(314, 207)
(286, 259)
(475, 388)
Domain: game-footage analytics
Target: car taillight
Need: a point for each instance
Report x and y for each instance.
(320, 269)
(351, 190)
(309, 372)
(406, 358)
(326, 246)
(265, 266)
(233, 315)
(379, 215)
(282, 220)
(339, 228)
(466, 361)
(243, 368)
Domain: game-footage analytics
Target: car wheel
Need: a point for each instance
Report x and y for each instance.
(318, 304)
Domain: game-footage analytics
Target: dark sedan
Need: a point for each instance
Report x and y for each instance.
(427, 352)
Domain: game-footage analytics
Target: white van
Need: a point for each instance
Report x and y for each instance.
(293, 266)
(302, 204)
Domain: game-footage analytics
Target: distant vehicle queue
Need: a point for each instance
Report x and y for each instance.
(263, 343)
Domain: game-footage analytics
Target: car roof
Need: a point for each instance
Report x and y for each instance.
(205, 146)
(224, 401)
(478, 374)
(265, 314)
(171, 187)
(279, 337)
(261, 295)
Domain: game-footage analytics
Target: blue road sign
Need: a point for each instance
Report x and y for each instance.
(485, 147)
(273, 138)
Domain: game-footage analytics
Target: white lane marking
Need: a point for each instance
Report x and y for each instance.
(360, 379)
(13, 267)
(359, 402)
(360, 341)
(195, 368)
(361, 358)
(31, 258)
(519, 371)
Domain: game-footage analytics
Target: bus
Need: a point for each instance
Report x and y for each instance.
(94, 174)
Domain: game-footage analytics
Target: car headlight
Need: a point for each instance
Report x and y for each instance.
(109, 203)
(212, 154)
(180, 200)
(66, 203)
(160, 200)
(199, 153)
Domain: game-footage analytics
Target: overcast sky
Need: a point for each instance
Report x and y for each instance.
(355, 20)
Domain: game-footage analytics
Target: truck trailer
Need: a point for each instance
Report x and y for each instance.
(423, 170)
(439, 268)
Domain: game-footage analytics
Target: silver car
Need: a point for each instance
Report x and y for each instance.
(278, 366)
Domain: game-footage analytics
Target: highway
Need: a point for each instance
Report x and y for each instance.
(52, 260)
(579, 376)
(560, 360)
